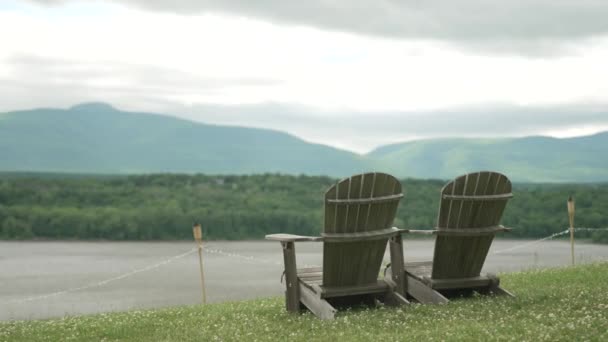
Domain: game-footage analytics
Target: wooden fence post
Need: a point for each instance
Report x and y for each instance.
(571, 219)
(198, 236)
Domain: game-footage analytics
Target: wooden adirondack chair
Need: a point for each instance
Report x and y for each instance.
(359, 213)
(469, 215)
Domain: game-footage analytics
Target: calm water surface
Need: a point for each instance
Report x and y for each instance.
(233, 271)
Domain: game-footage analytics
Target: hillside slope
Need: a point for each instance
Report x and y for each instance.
(531, 159)
(97, 138)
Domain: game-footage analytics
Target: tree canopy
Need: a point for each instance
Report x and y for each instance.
(164, 206)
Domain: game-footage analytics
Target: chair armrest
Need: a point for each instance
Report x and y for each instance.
(462, 231)
(420, 231)
(292, 238)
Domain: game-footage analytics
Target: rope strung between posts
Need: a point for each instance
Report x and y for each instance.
(585, 228)
(238, 256)
(104, 282)
(545, 239)
(532, 242)
(249, 257)
(144, 269)
(241, 256)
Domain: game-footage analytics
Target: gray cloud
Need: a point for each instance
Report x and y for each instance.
(62, 83)
(360, 131)
(363, 131)
(503, 26)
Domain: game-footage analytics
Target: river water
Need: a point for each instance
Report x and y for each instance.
(233, 270)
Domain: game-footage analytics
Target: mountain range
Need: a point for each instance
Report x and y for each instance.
(97, 138)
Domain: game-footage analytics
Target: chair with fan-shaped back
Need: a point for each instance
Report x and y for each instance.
(471, 207)
(359, 213)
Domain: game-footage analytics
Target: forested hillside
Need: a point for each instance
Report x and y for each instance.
(164, 206)
(528, 159)
(97, 138)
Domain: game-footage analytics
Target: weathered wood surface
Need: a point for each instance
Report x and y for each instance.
(359, 213)
(470, 210)
(378, 199)
(350, 263)
(397, 264)
(459, 283)
(317, 305)
(473, 201)
(478, 197)
(312, 273)
(392, 298)
(329, 292)
(423, 293)
(291, 237)
(292, 295)
(381, 234)
(472, 231)
(312, 278)
(494, 288)
(462, 231)
(379, 286)
(419, 269)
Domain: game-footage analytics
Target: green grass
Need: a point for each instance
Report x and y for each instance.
(554, 304)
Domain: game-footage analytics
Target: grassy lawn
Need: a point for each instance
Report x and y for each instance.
(555, 304)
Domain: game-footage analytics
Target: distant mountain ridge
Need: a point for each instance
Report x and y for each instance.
(100, 139)
(533, 159)
(97, 138)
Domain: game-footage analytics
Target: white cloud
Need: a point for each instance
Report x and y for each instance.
(362, 131)
(157, 61)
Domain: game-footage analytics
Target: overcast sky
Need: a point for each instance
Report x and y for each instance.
(350, 73)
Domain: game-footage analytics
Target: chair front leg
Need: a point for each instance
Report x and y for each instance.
(397, 265)
(292, 296)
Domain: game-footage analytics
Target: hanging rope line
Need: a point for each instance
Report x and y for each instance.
(527, 244)
(104, 282)
(242, 257)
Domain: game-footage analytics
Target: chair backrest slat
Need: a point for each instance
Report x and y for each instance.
(472, 201)
(358, 262)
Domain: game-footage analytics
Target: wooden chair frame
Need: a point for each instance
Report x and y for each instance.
(391, 291)
(357, 212)
(462, 200)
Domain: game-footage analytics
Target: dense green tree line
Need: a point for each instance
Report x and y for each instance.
(164, 206)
